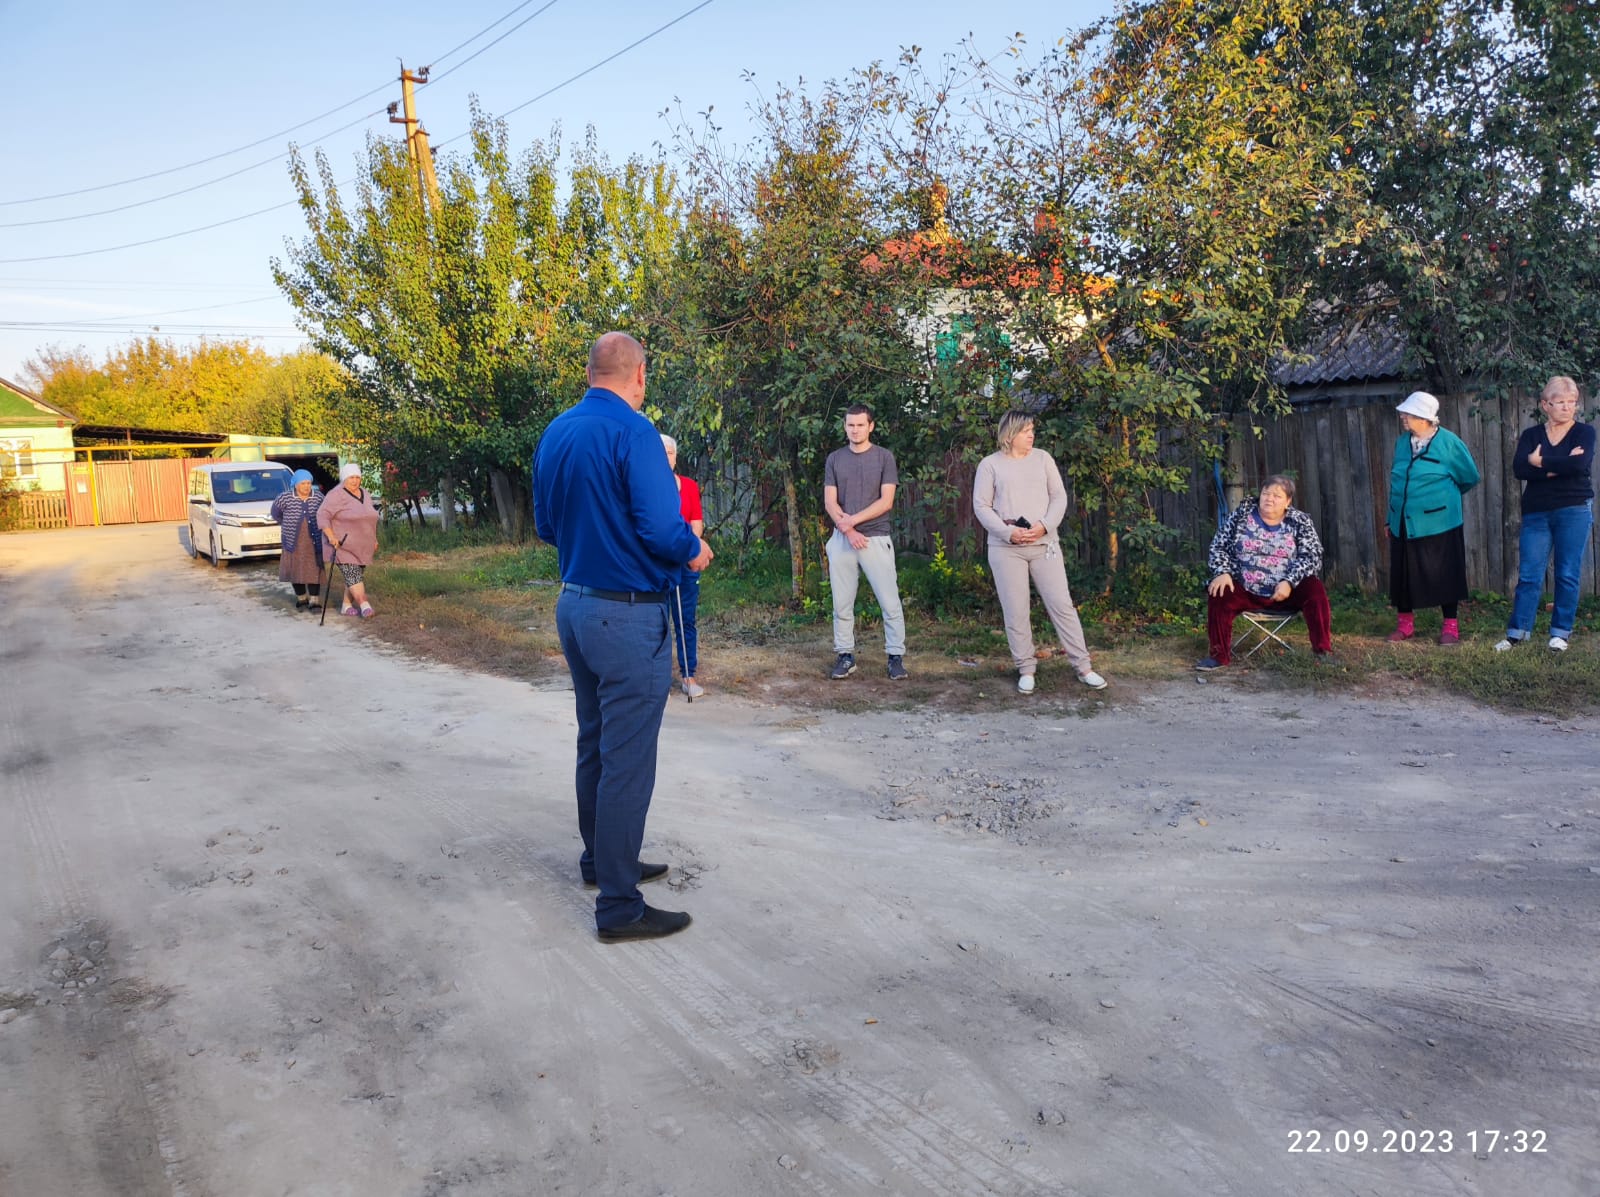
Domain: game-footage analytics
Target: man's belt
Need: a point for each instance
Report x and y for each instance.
(616, 596)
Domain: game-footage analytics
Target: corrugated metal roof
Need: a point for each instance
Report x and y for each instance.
(1369, 351)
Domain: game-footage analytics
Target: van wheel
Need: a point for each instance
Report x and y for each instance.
(216, 557)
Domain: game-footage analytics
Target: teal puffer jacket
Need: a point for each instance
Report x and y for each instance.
(1425, 490)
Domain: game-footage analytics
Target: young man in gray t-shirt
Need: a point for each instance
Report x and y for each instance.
(858, 492)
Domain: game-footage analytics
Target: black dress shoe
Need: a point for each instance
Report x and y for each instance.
(647, 872)
(653, 924)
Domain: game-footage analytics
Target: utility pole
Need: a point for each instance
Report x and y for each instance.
(417, 148)
(421, 155)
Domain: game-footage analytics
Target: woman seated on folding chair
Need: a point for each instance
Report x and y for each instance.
(1265, 558)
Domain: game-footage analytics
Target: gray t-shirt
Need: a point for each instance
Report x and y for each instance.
(859, 479)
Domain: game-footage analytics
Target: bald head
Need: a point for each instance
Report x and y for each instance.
(616, 362)
(614, 356)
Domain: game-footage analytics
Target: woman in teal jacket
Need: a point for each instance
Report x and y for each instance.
(1427, 547)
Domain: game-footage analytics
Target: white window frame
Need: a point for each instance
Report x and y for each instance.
(16, 447)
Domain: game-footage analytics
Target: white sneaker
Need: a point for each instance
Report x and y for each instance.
(693, 688)
(1093, 680)
(1025, 683)
(1505, 645)
(1557, 644)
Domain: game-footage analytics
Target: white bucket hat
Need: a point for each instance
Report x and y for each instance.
(1421, 404)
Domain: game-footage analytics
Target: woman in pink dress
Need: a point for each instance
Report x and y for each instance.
(348, 520)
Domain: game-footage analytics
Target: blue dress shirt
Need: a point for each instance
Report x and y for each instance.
(603, 495)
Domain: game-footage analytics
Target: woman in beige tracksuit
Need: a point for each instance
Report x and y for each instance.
(1019, 499)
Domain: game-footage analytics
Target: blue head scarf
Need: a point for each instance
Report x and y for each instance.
(299, 477)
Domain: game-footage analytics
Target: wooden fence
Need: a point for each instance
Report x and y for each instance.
(1340, 450)
(34, 511)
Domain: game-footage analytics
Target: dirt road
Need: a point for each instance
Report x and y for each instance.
(284, 913)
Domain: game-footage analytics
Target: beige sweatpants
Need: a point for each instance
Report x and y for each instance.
(845, 567)
(1013, 565)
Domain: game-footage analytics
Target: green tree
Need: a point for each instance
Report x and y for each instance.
(1138, 208)
(66, 378)
(1485, 161)
(464, 330)
(780, 320)
(299, 394)
(210, 386)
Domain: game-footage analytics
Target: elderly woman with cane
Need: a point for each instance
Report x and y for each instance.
(348, 520)
(1554, 460)
(300, 563)
(1427, 548)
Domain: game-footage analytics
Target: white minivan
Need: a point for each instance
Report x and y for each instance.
(230, 509)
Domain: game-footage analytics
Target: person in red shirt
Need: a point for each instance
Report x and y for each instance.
(688, 597)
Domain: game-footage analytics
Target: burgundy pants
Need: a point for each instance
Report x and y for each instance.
(1309, 598)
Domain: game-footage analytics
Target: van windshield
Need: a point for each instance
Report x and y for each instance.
(249, 486)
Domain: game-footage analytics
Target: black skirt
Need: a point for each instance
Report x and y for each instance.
(1428, 571)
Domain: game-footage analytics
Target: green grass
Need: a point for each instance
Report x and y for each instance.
(1528, 678)
(463, 591)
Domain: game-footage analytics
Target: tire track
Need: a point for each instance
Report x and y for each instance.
(1274, 1001)
(118, 1089)
(904, 1134)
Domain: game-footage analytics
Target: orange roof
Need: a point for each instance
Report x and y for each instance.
(940, 256)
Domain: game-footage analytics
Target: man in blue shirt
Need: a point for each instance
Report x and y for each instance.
(603, 495)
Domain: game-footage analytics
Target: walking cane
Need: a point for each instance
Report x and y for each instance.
(683, 641)
(327, 591)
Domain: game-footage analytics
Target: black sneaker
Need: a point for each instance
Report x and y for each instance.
(897, 669)
(1209, 663)
(653, 924)
(843, 667)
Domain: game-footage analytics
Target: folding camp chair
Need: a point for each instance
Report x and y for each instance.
(1262, 628)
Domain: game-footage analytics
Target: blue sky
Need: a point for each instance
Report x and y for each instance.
(105, 92)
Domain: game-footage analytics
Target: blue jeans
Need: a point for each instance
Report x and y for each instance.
(687, 638)
(1565, 531)
(621, 669)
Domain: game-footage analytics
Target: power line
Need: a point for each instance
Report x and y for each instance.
(497, 41)
(171, 170)
(156, 199)
(612, 58)
(441, 57)
(90, 284)
(84, 253)
(116, 321)
(211, 307)
(177, 330)
(36, 199)
(591, 69)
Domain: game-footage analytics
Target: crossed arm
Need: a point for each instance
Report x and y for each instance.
(847, 523)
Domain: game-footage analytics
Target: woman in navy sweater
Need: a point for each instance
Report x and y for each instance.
(1555, 460)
